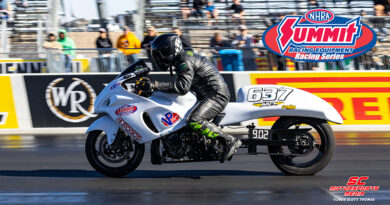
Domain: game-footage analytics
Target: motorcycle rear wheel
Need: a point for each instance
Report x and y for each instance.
(113, 162)
(321, 138)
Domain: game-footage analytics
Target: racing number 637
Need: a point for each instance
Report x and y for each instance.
(268, 94)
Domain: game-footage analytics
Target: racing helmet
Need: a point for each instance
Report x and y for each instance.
(165, 50)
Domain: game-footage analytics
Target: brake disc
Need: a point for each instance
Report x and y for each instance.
(304, 144)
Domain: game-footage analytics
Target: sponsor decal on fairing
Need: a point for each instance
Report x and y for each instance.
(170, 118)
(128, 129)
(319, 36)
(126, 110)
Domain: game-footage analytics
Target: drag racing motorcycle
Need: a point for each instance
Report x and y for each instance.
(300, 142)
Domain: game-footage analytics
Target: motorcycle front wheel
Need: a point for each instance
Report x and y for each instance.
(115, 160)
(313, 151)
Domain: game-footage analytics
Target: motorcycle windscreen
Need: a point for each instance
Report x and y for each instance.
(139, 68)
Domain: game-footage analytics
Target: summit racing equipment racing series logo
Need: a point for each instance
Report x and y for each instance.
(319, 36)
(72, 102)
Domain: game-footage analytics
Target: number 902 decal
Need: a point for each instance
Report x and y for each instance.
(268, 94)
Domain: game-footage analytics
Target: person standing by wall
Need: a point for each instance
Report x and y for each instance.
(218, 41)
(126, 43)
(53, 54)
(244, 42)
(186, 43)
(68, 45)
(51, 42)
(152, 34)
(104, 44)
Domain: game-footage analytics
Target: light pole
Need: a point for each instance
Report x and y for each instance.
(102, 14)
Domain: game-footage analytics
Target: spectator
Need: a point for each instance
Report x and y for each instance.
(363, 13)
(382, 4)
(53, 54)
(244, 41)
(5, 7)
(22, 3)
(211, 11)
(379, 23)
(152, 34)
(349, 3)
(103, 42)
(51, 42)
(218, 41)
(257, 42)
(238, 11)
(185, 8)
(311, 4)
(197, 8)
(67, 43)
(186, 43)
(126, 43)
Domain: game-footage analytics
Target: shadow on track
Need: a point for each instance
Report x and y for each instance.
(193, 174)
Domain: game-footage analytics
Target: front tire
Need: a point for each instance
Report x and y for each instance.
(322, 140)
(113, 162)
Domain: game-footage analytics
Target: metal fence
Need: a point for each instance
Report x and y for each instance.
(253, 59)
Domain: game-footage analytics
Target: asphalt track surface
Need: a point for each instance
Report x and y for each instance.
(54, 170)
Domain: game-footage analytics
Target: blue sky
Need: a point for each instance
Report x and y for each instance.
(87, 8)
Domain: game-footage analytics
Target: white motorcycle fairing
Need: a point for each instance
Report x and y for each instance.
(167, 112)
(260, 101)
(146, 119)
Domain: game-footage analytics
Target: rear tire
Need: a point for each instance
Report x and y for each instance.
(96, 160)
(326, 148)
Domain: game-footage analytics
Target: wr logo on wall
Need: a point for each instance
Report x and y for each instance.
(71, 101)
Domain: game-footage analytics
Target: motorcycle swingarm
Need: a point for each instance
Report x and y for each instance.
(272, 136)
(275, 137)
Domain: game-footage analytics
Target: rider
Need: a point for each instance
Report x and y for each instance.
(195, 73)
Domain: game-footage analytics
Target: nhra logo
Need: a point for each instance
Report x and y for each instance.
(319, 35)
(71, 101)
(170, 118)
(125, 110)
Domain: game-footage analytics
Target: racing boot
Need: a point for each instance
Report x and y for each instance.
(231, 145)
(210, 130)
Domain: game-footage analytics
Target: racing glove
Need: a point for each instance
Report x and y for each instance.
(144, 87)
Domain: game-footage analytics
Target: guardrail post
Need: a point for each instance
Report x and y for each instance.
(39, 36)
(4, 37)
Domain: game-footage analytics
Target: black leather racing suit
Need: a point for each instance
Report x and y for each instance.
(196, 73)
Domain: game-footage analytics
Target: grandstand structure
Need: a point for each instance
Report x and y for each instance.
(26, 28)
(259, 14)
(28, 24)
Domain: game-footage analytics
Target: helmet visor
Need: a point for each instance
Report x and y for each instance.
(160, 59)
